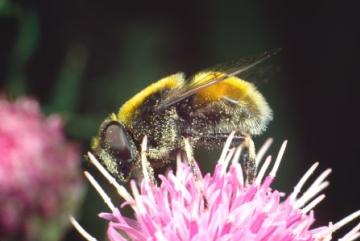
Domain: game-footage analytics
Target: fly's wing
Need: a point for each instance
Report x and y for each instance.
(213, 77)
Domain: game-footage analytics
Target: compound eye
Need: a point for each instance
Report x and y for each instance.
(115, 138)
(116, 142)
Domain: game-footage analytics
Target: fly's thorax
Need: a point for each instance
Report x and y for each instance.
(130, 109)
(161, 128)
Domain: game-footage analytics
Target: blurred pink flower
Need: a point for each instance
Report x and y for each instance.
(218, 206)
(39, 170)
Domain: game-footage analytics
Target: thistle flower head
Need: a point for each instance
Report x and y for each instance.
(218, 206)
(38, 168)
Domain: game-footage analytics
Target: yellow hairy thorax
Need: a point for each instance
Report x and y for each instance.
(127, 111)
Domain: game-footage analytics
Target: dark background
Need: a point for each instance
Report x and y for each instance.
(84, 59)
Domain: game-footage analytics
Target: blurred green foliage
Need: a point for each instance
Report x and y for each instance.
(24, 47)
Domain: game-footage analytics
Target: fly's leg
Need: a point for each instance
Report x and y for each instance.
(190, 158)
(248, 155)
(194, 169)
(248, 159)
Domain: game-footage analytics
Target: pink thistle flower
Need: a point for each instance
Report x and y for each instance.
(38, 170)
(219, 206)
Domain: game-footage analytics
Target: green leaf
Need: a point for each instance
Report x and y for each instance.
(67, 89)
(26, 44)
